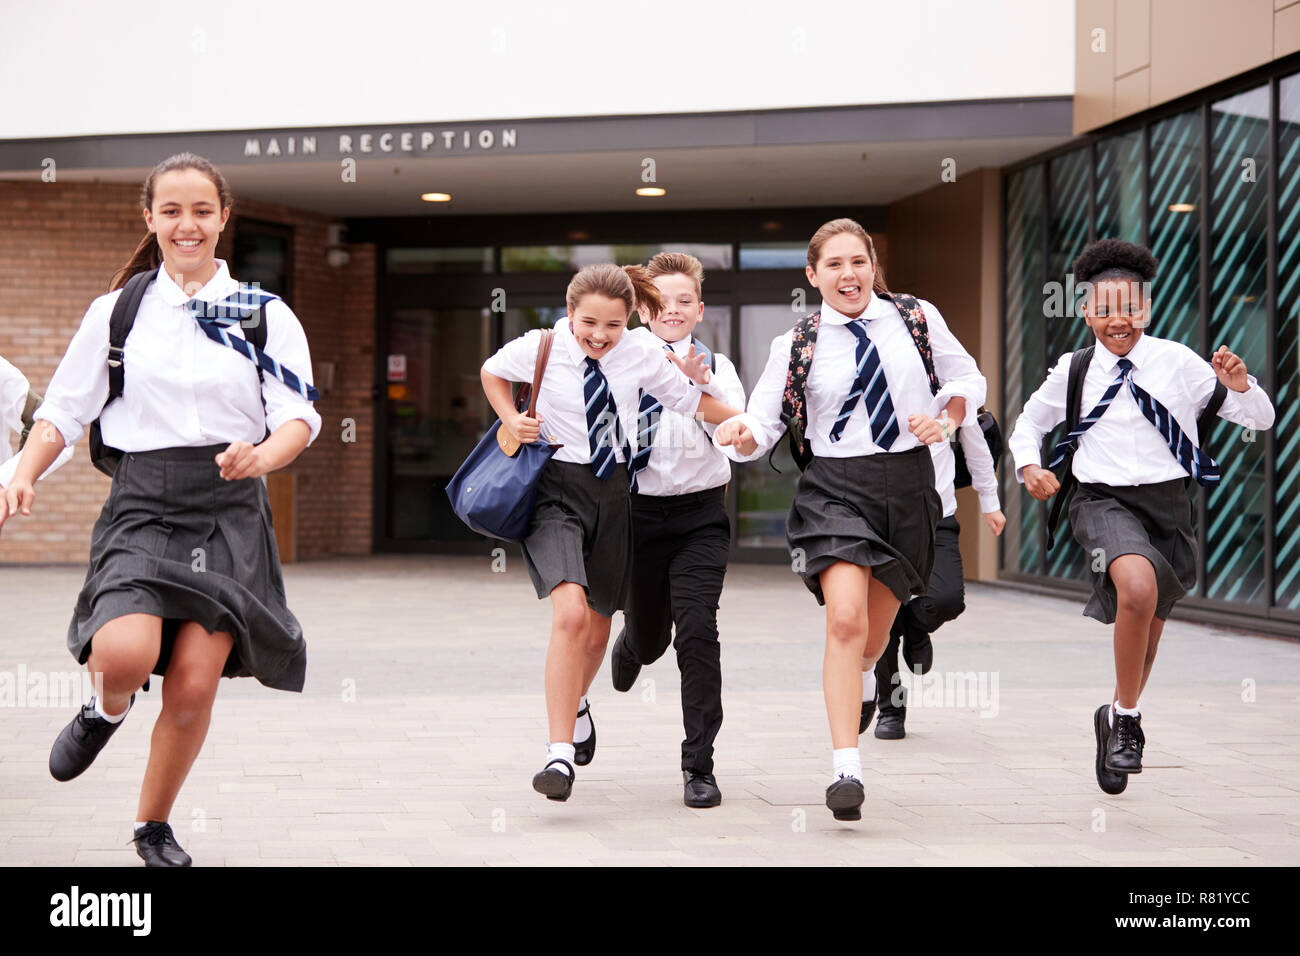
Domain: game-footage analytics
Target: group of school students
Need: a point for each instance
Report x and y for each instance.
(192, 387)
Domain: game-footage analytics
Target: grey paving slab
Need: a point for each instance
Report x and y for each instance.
(422, 723)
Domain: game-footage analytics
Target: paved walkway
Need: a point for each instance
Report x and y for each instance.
(423, 722)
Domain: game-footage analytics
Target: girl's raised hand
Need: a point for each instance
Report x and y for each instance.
(1230, 369)
(693, 366)
(925, 428)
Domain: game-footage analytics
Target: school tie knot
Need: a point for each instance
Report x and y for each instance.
(1124, 365)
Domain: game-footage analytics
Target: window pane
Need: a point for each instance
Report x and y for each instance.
(1022, 547)
(573, 258)
(764, 496)
(1176, 227)
(1119, 187)
(1235, 530)
(475, 259)
(1286, 399)
(1066, 331)
(773, 255)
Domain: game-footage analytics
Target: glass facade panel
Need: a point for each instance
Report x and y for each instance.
(420, 261)
(773, 255)
(573, 258)
(1065, 330)
(1118, 201)
(1235, 529)
(1176, 217)
(764, 495)
(1023, 364)
(1286, 431)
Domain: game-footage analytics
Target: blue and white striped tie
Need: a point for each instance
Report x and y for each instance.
(602, 421)
(1199, 465)
(648, 414)
(870, 385)
(214, 317)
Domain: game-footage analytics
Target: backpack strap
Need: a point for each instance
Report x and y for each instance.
(1079, 363)
(700, 347)
(914, 317)
(1205, 420)
(119, 327)
(794, 408)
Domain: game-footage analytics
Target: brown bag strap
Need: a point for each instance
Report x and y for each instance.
(539, 369)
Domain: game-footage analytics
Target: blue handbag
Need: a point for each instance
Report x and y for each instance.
(495, 489)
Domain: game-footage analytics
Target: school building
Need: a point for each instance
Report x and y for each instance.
(420, 185)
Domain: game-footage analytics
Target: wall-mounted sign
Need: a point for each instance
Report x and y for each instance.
(397, 368)
(414, 142)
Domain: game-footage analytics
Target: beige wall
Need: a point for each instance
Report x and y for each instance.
(944, 246)
(1135, 54)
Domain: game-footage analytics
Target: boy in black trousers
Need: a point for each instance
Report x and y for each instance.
(681, 534)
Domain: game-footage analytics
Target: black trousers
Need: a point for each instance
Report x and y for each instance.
(679, 558)
(944, 599)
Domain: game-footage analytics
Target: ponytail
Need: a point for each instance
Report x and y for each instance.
(148, 255)
(645, 291)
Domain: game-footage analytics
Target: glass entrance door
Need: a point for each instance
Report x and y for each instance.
(435, 412)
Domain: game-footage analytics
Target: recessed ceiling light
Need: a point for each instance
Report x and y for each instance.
(651, 191)
(436, 197)
(1181, 207)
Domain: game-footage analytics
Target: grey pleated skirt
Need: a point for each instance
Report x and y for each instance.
(1154, 521)
(877, 511)
(581, 531)
(176, 540)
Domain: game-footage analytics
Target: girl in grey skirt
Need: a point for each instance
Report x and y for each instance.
(1134, 453)
(184, 578)
(579, 544)
(862, 524)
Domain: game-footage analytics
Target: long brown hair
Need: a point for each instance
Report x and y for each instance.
(148, 255)
(834, 228)
(631, 285)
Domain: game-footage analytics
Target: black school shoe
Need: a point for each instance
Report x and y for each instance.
(868, 711)
(1124, 748)
(889, 725)
(844, 798)
(157, 846)
(700, 790)
(1109, 782)
(623, 667)
(918, 650)
(556, 783)
(79, 743)
(584, 750)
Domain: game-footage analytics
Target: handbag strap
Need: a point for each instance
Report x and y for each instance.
(539, 369)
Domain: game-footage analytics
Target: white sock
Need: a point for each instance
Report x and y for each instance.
(99, 709)
(139, 826)
(1115, 708)
(560, 751)
(869, 684)
(582, 726)
(847, 763)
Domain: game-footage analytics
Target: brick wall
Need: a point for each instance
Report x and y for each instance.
(60, 244)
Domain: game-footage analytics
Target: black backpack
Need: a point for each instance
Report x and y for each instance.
(105, 457)
(1079, 363)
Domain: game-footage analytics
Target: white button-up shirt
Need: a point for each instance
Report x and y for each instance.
(979, 462)
(180, 389)
(13, 399)
(631, 365)
(834, 370)
(1123, 448)
(683, 459)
